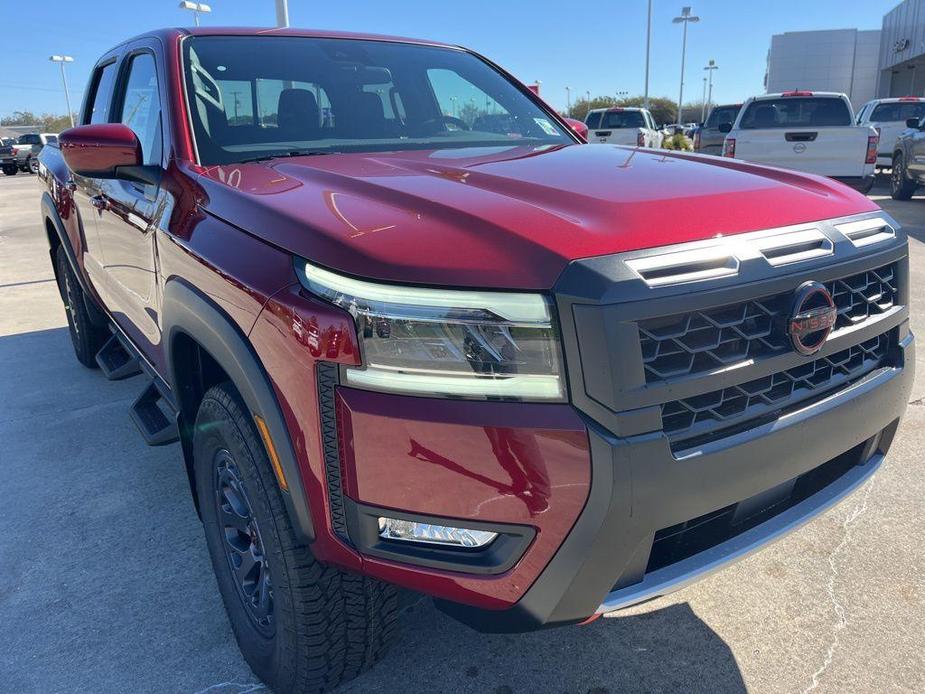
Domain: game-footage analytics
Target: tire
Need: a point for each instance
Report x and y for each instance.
(901, 188)
(86, 337)
(312, 627)
(10, 170)
(32, 164)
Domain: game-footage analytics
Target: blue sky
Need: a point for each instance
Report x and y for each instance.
(562, 44)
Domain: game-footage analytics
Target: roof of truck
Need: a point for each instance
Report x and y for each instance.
(175, 32)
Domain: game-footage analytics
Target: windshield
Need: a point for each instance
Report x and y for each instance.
(897, 111)
(722, 114)
(623, 119)
(253, 96)
(796, 112)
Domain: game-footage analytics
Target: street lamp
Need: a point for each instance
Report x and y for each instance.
(568, 100)
(62, 59)
(196, 8)
(711, 66)
(703, 102)
(685, 19)
(648, 42)
(282, 13)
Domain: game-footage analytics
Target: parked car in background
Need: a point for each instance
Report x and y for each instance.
(907, 160)
(888, 117)
(806, 131)
(8, 163)
(27, 149)
(708, 139)
(504, 369)
(620, 125)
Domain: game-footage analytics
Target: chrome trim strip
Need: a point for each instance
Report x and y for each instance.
(682, 574)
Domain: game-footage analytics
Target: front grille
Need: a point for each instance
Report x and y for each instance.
(697, 342)
(715, 412)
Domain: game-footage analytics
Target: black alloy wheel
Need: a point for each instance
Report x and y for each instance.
(244, 548)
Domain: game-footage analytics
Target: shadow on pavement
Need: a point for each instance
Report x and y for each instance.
(669, 649)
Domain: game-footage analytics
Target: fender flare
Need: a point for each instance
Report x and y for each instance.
(50, 211)
(186, 311)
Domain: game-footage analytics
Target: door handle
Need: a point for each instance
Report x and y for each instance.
(100, 202)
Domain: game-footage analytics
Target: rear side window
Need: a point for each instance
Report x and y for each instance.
(897, 111)
(796, 112)
(593, 120)
(100, 95)
(141, 106)
(722, 114)
(30, 140)
(623, 119)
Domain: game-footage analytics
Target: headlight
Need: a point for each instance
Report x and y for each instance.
(446, 342)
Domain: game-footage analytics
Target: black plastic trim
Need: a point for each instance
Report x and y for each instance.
(186, 311)
(495, 558)
(327, 380)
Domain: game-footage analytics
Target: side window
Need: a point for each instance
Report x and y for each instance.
(100, 95)
(141, 106)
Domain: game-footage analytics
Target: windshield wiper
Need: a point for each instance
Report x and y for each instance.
(290, 153)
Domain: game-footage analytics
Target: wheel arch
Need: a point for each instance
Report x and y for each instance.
(193, 323)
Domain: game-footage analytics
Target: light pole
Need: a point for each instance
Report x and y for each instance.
(648, 42)
(568, 100)
(196, 8)
(62, 59)
(703, 102)
(282, 13)
(685, 19)
(711, 66)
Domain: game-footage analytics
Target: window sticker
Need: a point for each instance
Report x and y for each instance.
(547, 127)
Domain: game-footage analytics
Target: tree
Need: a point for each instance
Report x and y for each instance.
(47, 122)
(663, 109)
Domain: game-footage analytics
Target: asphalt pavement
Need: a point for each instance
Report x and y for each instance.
(105, 582)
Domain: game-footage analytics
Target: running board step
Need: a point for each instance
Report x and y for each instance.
(116, 362)
(155, 416)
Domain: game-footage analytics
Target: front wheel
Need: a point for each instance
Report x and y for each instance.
(86, 337)
(901, 187)
(33, 165)
(301, 626)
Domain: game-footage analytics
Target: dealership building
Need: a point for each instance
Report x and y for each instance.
(889, 61)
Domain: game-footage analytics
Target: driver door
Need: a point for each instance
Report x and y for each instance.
(130, 212)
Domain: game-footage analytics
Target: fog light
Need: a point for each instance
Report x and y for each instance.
(410, 531)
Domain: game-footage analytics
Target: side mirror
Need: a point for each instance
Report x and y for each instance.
(580, 128)
(106, 150)
(725, 127)
(912, 123)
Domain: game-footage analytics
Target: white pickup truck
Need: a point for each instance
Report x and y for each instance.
(888, 117)
(620, 125)
(807, 131)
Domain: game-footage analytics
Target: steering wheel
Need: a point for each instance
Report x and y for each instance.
(445, 120)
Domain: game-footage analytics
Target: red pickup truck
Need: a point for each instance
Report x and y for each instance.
(411, 332)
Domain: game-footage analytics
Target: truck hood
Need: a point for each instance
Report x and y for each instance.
(505, 217)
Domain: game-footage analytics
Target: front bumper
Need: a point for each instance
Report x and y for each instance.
(640, 488)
